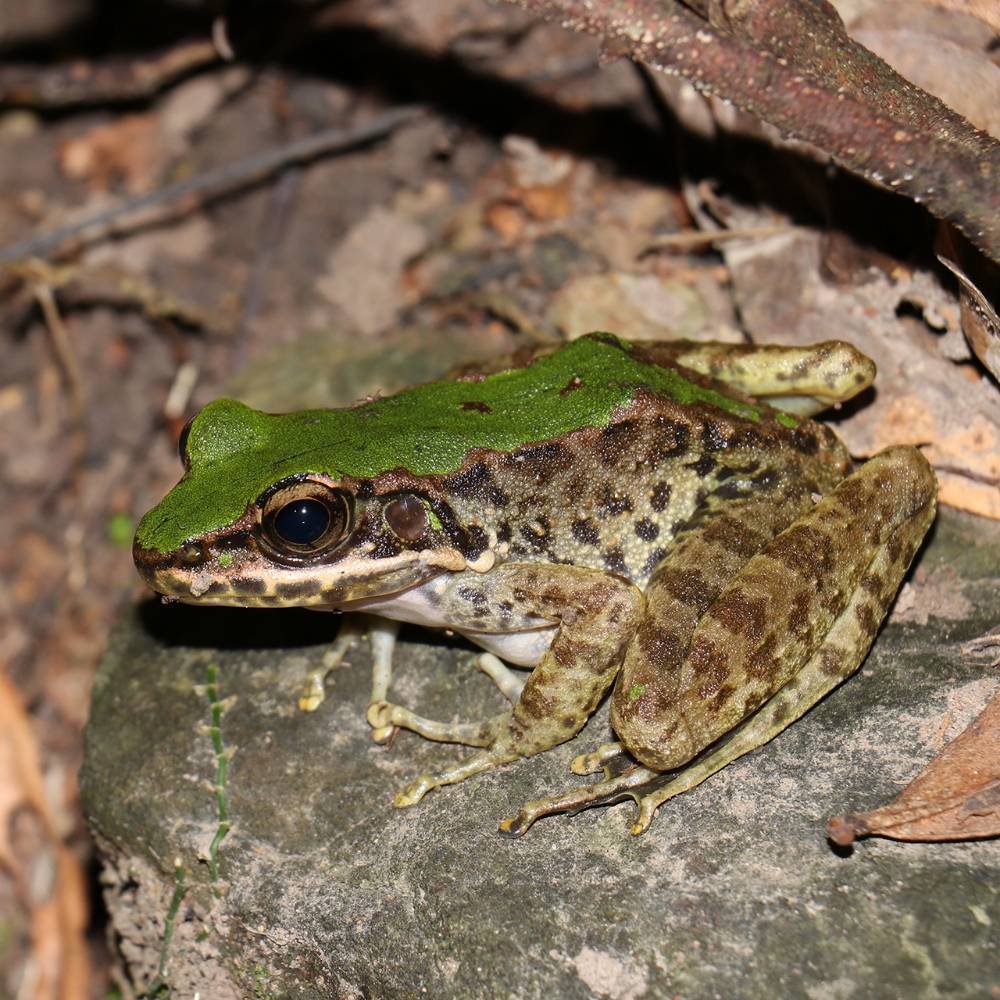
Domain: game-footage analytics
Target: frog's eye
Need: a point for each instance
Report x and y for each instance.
(305, 518)
(182, 443)
(406, 516)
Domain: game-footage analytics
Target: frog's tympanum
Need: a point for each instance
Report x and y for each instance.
(607, 514)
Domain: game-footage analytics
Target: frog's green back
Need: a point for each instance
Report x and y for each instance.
(236, 453)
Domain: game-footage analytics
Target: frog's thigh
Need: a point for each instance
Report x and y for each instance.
(700, 564)
(597, 614)
(812, 599)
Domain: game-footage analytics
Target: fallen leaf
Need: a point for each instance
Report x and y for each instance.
(127, 149)
(985, 10)
(955, 797)
(980, 322)
(48, 878)
(364, 273)
(647, 306)
(541, 181)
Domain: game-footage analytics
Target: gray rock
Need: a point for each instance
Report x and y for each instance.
(322, 889)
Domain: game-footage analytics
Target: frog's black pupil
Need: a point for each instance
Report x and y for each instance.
(302, 522)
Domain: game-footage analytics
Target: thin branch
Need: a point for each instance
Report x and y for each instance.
(943, 162)
(78, 83)
(188, 195)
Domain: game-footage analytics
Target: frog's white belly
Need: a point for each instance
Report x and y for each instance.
(524, 643)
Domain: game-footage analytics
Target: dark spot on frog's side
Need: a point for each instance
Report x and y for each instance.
(571, 386)
(702, 466)
(715, 435)
(612, 503)
(584, 530)
(614, 441)
(660, 496)
(614, 559)
(671, 438)
(475, 541)
(536, 535)
(765, 480)
(248, 585)
(476, 483)
(646, 530)
(477, 405)
(805, 440)
(541, 461)
(653, 560)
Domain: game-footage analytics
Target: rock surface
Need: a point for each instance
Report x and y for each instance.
(323, 889)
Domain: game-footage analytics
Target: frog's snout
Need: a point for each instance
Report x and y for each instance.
(165, 572)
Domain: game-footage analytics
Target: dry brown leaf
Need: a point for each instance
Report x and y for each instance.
(980, 322)
(57, 904)
(955, 797)
(127, 149)
(987, 11)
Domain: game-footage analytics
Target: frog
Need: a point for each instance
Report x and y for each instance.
(664, 521)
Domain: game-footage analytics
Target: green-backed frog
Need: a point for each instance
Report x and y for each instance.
(604, 513)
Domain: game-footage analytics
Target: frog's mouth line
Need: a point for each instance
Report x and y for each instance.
(252, 581)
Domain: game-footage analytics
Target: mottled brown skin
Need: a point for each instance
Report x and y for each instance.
(723, 569)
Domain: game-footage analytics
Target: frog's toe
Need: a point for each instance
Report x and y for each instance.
(313, 693)
(414, 791)
(601, 793)
(384, 716)
(478, 763)
(604, 758)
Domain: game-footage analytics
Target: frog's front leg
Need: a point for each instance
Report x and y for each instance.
(382, 634)
(596, 615)
(793, 623)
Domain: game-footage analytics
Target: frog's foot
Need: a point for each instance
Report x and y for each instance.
(614, 788)
(314, 689)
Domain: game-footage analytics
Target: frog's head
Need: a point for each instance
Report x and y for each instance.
(264, 517)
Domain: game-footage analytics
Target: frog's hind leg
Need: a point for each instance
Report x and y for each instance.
(841, 653)
(828, 611)
(801, 380)
(710, 551)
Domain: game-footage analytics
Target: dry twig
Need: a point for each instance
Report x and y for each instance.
(189, 195)
(791, 63)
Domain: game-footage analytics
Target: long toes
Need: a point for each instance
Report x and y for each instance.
(414, 791)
